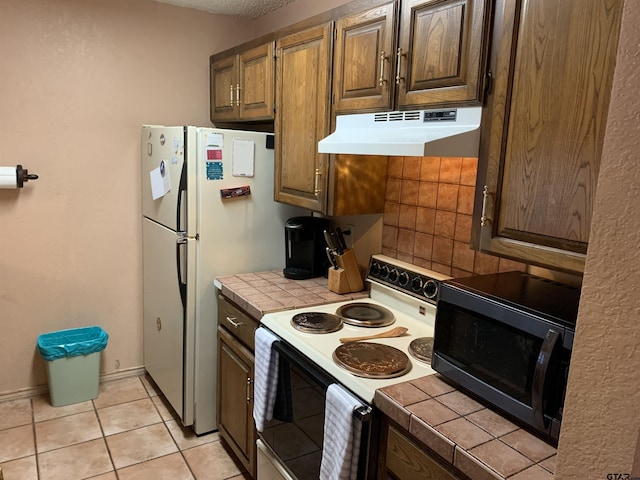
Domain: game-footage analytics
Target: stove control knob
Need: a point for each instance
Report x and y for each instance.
(393, 276)
(374, 270)
(416, 284)
(430, 289)
(404, 279)
(384, 272)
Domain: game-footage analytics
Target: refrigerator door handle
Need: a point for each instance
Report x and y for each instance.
(182, 189)
(182, 286)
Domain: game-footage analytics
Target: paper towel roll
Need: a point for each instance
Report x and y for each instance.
(8, 177)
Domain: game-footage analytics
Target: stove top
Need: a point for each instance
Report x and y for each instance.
(408, 292)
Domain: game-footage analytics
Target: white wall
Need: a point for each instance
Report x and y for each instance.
(77, 79)
(601, 425)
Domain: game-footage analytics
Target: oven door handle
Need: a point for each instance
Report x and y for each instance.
(540, 376)
(292, 355)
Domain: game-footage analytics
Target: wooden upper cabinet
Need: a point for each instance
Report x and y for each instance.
(363, 60)
(433, 53)
(543, 129)
(242, 85)
(441, 52)
(224, 78)
(302, 117)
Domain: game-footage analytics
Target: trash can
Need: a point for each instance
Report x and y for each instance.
(73, 363)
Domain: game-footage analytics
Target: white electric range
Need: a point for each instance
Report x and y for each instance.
(407, 291)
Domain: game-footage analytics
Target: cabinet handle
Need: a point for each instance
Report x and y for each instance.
(316, 190)
(249, 392)
(238, 88)
(232, 321)
(382, 80)
(231, 94)
(398, 66)
(484, 220)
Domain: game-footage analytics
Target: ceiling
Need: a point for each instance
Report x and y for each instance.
(249, 9)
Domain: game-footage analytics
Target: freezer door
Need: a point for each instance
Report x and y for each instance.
(165, 165)
(168, 317)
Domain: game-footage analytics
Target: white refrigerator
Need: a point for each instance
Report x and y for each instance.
(207, 211)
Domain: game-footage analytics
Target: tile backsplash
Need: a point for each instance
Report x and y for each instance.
(428, 214)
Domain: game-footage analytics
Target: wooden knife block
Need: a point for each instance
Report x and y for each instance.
(346, 278)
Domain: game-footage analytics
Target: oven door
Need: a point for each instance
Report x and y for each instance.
(295, 436)
(514, 360)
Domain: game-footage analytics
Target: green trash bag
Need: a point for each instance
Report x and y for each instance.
(72, 343)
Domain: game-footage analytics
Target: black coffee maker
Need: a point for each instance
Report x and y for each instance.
(305, 247)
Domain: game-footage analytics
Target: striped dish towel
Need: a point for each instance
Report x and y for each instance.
(266, 378)
(341, 446)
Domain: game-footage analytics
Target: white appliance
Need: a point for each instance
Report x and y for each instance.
(411, 310)
(290, 447)
(445, 132)
(208, 210)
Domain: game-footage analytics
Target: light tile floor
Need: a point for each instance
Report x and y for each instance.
(128, 433)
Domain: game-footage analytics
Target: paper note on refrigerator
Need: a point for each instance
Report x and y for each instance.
(243, 158)
(160, 184)
(214, 142)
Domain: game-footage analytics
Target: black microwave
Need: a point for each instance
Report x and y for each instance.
(507, 338)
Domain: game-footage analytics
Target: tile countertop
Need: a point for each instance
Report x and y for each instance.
(477, 441)
(474, 439)
(265, 292)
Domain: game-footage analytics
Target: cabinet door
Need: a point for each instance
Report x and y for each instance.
(407, 461)
(363, 60)
(546, 121)
(254, 92)
(235, 398)
(442, 52)
(302, 117)
(222, 89)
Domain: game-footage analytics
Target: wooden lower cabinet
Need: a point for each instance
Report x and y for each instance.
(235, 385)
(404, 459)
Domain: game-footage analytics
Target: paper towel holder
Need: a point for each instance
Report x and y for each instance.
(15, 177)
(23, 175)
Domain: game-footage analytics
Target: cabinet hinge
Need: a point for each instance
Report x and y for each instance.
(335, 33)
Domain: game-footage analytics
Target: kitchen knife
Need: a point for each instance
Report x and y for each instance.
(329, 240)
(331, 258)
(336, 243)
(341, 241)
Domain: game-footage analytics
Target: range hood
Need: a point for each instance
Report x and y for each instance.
(448, 132)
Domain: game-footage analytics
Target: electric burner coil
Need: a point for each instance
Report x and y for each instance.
(362, 314)
(372, 360)
(316, 322)
(422, 349)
